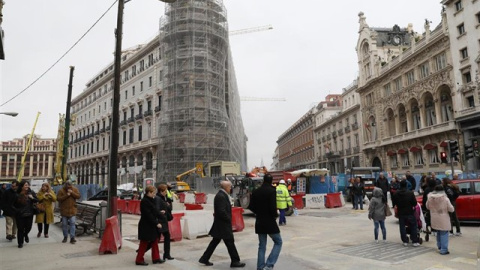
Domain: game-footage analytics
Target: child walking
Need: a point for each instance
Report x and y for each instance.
(376, 211)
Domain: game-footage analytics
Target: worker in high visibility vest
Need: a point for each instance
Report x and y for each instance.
(170, 193)
(283, 201)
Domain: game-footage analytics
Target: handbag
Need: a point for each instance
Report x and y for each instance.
(388, 212)
(39, 208)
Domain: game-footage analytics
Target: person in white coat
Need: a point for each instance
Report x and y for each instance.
(440, 206)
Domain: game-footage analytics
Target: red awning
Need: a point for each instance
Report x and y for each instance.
(402, 151)
(444, 144)
(391, 153)
(430, 146)
(415, 149)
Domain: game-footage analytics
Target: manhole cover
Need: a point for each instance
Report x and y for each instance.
(385, 252)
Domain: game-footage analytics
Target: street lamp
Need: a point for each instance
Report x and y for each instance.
(13, 114)
(113, 155)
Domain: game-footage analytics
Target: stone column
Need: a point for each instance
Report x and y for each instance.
(396, 118)
(421, 110)
(438, 110)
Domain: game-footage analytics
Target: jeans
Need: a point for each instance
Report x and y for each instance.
(282, 219)
(380, 223)
(68, 228)
(358, 199)
(442, 241)
(262, 247)
(412, 223)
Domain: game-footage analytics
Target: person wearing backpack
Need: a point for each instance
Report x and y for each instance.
(452, 191)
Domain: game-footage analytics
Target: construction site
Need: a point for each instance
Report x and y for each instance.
(201, 120)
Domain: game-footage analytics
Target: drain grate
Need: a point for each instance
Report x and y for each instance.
(385, 252)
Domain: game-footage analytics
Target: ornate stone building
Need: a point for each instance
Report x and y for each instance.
(38, 163)
(407, 91)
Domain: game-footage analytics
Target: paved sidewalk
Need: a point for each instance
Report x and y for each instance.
(338, 238)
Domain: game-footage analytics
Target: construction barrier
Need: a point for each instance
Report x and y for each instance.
(237, 219)
(333, 200)
(133, 207)
(122, 205)
(189, 197)
(112, 238)
(191, 206)
(298, 198)
(196, 223)
(181, 197)
(315, 200)
(200, 198)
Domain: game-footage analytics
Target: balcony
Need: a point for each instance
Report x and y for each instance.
(348, 151)
(329, 137)
(347, 129)
(158, 109)
(332, 155)
(147, 113)
(123, 122)
(107, 128)
(139, 116)
(102, 130)
(96, 133)
(131, 120)
(340, 132)
(334, 134)
(423, 132)
(356, 150)
(324, 139)
(354, 126)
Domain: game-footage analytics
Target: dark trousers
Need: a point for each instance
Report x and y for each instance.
(24, 226)
(45, 224)
(166, 243)
(412, 223)
(454, 219)
(229, 242)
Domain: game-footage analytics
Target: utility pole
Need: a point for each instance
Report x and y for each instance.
(67, 126)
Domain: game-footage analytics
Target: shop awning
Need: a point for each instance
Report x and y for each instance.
(430, 146)
(402, 151)
(444, 144)
(391, 153)
(415, 149)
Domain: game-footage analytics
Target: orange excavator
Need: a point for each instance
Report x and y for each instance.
(257, 172)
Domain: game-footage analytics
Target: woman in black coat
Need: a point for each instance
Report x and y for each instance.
(165, 216)
(24, 211)
(147, 227)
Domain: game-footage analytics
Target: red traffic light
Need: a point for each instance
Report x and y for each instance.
(443, 157)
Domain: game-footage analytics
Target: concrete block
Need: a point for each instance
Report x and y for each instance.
(189, 198)
(315, 201)
(196, 223)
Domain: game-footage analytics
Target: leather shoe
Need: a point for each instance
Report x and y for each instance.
(39, 234)
(207, 263)
(158, 261)
(141, 263)
(27, 240)
(168, 257)
(237, 265)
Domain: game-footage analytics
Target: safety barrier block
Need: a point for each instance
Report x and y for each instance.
(298, 198)
(175, 227)
(333, 200)
(191, 206)
(196, 223)
(176, 206)
(122, 205)
(112, 238)
(237, 219)
(210, 198)
(133, 207)
(189, 198)
(200, 198)
(315, 200)
(181, 197)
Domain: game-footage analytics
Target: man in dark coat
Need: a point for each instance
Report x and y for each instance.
(405, 201)
(411, 179)
(9, 212)
(382, 183)
(222, 227)
(263, 205)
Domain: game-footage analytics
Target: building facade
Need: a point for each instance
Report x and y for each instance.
(407, 94)
(179, 103)
(463, 23)
(38, 162)
(296, 147)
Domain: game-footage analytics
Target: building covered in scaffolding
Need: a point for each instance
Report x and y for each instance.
(201, 119)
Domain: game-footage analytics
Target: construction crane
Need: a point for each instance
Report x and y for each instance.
(261, 99)
(251, 30)
(58, 180)
(22, 166)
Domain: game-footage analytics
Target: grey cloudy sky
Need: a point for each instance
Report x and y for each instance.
(309, 54)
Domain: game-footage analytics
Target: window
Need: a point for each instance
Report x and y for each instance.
(393, 161)
(160, 76)
(133, 90)
(410, 77)
(126, 74)
(140, 133)
(124, 137)
(440, 61)
(132, 112)
(124, 115)
(464, 53)
(461, 29)
(387, 90)
(418, 158)
(470, 102)
(433, 156)
(467, 77)
(369, 99)
(458, 5)
(150, 81)
(142, 65)
(398, 84)
(405, 161)
(478, 17)
(141, 86)
(464, 188)
(149, 105)
(130, 137)
(424, 70)
(126, 94)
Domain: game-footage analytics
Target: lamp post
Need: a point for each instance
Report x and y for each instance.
(13, 114)
(113, 155)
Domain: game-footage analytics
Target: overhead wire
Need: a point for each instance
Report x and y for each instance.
(56, 62)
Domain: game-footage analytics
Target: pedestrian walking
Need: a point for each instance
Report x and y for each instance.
(439, 206)
(411, 180)
(284, 201)
(222, 227)
(376, 212)
(165, 209)
(8, 199)
(47, 197)
(452, 191)
(263, 205)
(24, 212)
(67, 198)
(3, 189)
(384, 185)
(405, 201)
(148, 227)
(358, 190)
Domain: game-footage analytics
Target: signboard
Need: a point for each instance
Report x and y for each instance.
(148, 182)
(301, 185)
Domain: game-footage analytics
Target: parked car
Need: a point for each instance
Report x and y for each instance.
(468, 203)
(103, 195)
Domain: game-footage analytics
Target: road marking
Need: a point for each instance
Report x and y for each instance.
(390, 252)
(465, 260)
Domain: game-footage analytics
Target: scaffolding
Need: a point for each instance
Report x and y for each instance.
(201, 119)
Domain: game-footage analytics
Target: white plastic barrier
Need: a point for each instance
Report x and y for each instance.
(189, 198)
(342, 199)
(210, 198)
(315, 200)
(177, 206)
(196, 223)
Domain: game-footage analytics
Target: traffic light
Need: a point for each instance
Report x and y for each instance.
(443, 157)
(468, 151)
(453, 149)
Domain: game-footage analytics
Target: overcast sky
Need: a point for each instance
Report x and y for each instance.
(310, 53)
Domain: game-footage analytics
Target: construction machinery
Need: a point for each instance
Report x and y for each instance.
(181, 183)
(258, 171)
(22, 165)
(58, 180)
